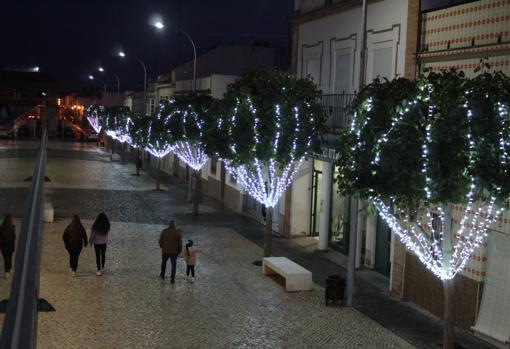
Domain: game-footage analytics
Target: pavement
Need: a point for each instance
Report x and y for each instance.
(231, 304)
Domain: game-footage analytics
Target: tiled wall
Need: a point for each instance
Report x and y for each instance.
(482, 21)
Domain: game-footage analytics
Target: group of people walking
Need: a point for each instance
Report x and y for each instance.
(75, 239)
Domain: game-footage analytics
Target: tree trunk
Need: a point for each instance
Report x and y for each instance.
(196, 197)
(157, 174)
(190, 183)
(269, 232)
(138, 161)
(122, 152)
(449, 325)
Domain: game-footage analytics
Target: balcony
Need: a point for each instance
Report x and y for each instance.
(335, 108)
(337, 118)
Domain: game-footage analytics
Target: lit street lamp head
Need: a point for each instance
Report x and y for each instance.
(122, 54)
(159, 25)
(91, 77)
(100, 69)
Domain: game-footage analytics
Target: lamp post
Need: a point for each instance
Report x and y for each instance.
(160, 26)
(91, 77)
(122, 54)
(101, 70)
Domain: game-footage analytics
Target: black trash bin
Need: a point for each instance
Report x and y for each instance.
(335, 287)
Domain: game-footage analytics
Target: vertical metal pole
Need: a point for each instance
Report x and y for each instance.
(194, 59)
(353, 234)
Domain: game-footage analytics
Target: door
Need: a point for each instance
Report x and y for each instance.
(382, 247)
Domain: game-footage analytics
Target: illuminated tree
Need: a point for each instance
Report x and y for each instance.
(419, 150)
(158, 140)
(271, 123)
(186, 117)
(94, 116)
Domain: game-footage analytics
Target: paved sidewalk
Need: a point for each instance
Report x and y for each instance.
(232, 305)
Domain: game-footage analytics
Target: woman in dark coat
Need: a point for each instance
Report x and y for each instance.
(7, 242)
(74, 239)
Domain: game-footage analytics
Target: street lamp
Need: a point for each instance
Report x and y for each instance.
(122, 54)
(91, 77)
(101, 70)
(160, 26)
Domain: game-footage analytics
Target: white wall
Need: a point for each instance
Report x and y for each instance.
(322, 41)
(328, 49)
(220, 83)
(300, 201)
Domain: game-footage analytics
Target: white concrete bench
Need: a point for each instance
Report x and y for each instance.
(49, 213)
(296, 277)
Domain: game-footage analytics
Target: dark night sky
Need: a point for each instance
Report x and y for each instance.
(69, 39)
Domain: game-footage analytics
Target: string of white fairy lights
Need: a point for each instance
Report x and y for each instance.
(190, 151)
(266, 181)
(159, 147)
(94, 118)
(421, 237)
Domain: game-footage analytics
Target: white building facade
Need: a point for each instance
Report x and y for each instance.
(327, 39)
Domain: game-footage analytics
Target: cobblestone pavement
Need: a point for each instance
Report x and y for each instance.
(231, 305)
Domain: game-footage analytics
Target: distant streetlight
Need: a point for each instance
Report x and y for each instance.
(36, 69)
(101, 70)
(160, 26)
(122, 54)
(91, 77)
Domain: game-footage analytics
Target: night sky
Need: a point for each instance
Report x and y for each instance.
(69, 39)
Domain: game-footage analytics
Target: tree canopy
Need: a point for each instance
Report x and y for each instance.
(433, 140)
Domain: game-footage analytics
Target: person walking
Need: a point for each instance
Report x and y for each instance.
(75, 237)
(170, 241)
(7, 243)
(190, 257)
(99, 238)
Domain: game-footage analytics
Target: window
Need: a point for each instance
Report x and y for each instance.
(150, 106)
(343, 71)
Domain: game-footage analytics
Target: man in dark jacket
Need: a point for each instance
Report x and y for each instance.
(170, 241)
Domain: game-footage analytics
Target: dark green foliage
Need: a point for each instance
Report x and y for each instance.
(385, 158)
(264, 91)
(187, 116)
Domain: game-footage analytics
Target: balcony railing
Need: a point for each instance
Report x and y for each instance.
(335, 108)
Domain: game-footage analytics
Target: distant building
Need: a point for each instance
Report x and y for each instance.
(26, 95)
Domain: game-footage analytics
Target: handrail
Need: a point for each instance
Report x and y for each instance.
(20, 322)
